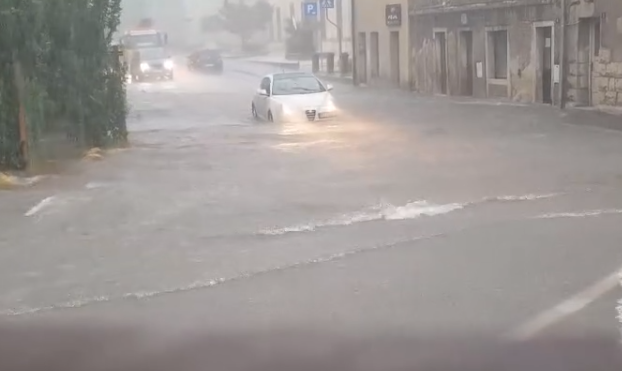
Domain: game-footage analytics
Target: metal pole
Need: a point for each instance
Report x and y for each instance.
(338, 30)
(355, 78)
(562, 58)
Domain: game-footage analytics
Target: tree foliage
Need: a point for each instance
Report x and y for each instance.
(57, 64)
(243, 20)
(212, 23)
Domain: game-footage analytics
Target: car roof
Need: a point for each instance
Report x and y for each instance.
(289, 74)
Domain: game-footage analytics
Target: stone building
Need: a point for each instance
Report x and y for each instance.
(486, 48)
(512, 49)
(595, 52)
(333, 31)
(382, 42)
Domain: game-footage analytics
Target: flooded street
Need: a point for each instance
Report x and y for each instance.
(410, 213)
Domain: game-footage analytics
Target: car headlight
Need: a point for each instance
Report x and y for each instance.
(168, 64)
(286, 110)
(330, 106)
(144, 66)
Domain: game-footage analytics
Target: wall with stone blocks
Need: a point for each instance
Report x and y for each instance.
(606, 80)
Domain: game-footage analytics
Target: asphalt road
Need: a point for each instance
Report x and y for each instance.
(411, 214)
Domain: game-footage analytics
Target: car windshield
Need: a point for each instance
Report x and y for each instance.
(296, 84)
(145, 40)
(209, 53)
(152, 54)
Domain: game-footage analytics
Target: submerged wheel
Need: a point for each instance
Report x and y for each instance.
(254, 112)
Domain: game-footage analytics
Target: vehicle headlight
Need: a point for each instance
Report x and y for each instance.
(168, 64)
(330, 106)
(287, 111)
(144, 66)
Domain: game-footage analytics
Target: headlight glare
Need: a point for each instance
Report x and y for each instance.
(144, 66)
(286, 110)
(330, 106)
(168, 64)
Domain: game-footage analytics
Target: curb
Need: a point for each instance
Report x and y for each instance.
(593, 118)
(94, 154)
(336, 78)
(242, 56)
(280, 64)
(247, 73)
(12, 182)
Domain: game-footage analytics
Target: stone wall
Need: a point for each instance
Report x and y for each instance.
(524, 72)
(606, 80)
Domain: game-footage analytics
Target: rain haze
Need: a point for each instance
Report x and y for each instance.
(362, 167)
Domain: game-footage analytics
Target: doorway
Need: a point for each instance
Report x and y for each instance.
(466, 63)
(362, 58)
(394, 52)
(375, 54)
(587, 48)
(544, 44)
(441, 59)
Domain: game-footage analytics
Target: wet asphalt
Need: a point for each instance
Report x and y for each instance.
(411, 214)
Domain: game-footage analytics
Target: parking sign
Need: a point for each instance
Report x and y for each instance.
(310, 9)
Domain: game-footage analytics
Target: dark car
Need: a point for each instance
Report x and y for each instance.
(205, 60)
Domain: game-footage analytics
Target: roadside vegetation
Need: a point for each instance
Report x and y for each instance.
(62, 87)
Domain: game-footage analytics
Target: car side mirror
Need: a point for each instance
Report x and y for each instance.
(262, 92)
(329, 87)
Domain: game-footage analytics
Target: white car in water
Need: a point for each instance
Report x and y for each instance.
(293, 97)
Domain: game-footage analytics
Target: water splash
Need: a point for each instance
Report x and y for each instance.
(388, 212)
(411, 210)
(580, 214)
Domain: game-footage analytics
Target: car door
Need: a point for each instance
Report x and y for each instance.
(262, 101)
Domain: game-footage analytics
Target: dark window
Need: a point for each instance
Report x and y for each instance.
(499, 54)
(323, 23)
(209, 54)
(279, 26)
(596, 37)
(265, 84)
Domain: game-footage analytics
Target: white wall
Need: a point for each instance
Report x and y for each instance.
(330, 43)
(168, 16)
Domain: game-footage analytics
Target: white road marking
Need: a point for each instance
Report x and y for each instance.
(40, 206)
(566, 308)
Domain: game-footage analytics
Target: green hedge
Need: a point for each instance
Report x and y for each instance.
(56, 59)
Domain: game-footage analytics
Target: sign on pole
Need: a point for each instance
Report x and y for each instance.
(327, 4)
(393, 15)
(310, 9)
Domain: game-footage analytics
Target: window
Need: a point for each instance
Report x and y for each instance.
(597, 37)
(143, 40)
(279, 26)
(288, 84)
(375, 54)
(323, 24)
(265, 85)
(498, 43)
(152, 54)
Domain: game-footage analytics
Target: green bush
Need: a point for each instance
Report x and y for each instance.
(56, 59)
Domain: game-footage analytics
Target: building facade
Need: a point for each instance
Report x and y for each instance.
(594, 53)
(487, 48)
(513, 49)
(382, 42)
(333, 25)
